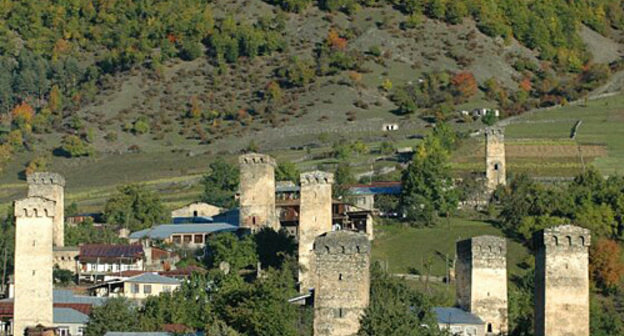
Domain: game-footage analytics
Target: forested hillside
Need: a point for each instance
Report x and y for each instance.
(84, 77)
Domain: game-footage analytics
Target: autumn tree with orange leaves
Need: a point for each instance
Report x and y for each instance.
(335, 41)
(464, 85)
(606, 266)
(22, 115)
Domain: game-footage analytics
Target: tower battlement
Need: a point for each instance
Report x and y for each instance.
(495, 133)
(483, 247)
(342, 242)
(47, 178)
(563, 237)
(34, 207)
(256, 159)
(316, 177)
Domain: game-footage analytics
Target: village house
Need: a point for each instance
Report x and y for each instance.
(98, 260)
(196, 209)
(137, 287)
(363, 195)
(459, 322)
(187, 235)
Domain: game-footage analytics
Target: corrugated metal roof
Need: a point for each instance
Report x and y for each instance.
(67, 296)
(64, 296)
(110, 251)
(68, 315)
(450, 315)
(153, 278)
(166, 230)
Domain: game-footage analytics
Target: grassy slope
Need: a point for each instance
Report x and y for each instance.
(602, 124)
(403, 248)
(539, 143)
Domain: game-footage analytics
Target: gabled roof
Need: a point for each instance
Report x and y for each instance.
(166, 230)
(92, 251)
(153, 278)
(68, 315)
(450, 315)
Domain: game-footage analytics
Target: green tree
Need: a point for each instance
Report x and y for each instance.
(86, 233)
(73, 146)
(239, 253)
(427, 185)
(220, 184)
(343, 176)
(396, 309)
(117, 314)
(262, 308)
(287, 171)
(135, 207)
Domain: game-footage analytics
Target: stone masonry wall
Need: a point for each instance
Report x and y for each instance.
(33, 263)
(52, 187)
(315, 218)
(257, 192)
(495, 171)
(342, 292)
(482, 280)
(562, 281)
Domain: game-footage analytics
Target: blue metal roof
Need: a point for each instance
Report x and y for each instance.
(372, 190)
(165, 231)
(67, 296)
(450, 315)
(68, 315)
(153, 278)
(193, 220)
(231, 217)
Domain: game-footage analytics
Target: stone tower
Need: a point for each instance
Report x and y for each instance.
(481, 275)
(494, 158)
(562, 281)
(34, 226)
(51, 186)
(315, 218)
(343, 282)
(257, 192)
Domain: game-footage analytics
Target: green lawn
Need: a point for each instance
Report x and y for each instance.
(404, 248)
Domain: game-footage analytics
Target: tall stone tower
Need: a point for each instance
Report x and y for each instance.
(495, 158)
(343, 282)
(315, 218)
(562, 281)
(257, 192)
(481, 273)
(34, 226)
(51, 186)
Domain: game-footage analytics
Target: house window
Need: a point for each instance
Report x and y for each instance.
(177, 239)
(81, 331)
(339, 313)
(340, 277)
(489, 327)
(147, 289)
(199, 239)
(188, 238)
(166, 289)
(135, 289)
(195, 213)
(496, 166)
(63, 331)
